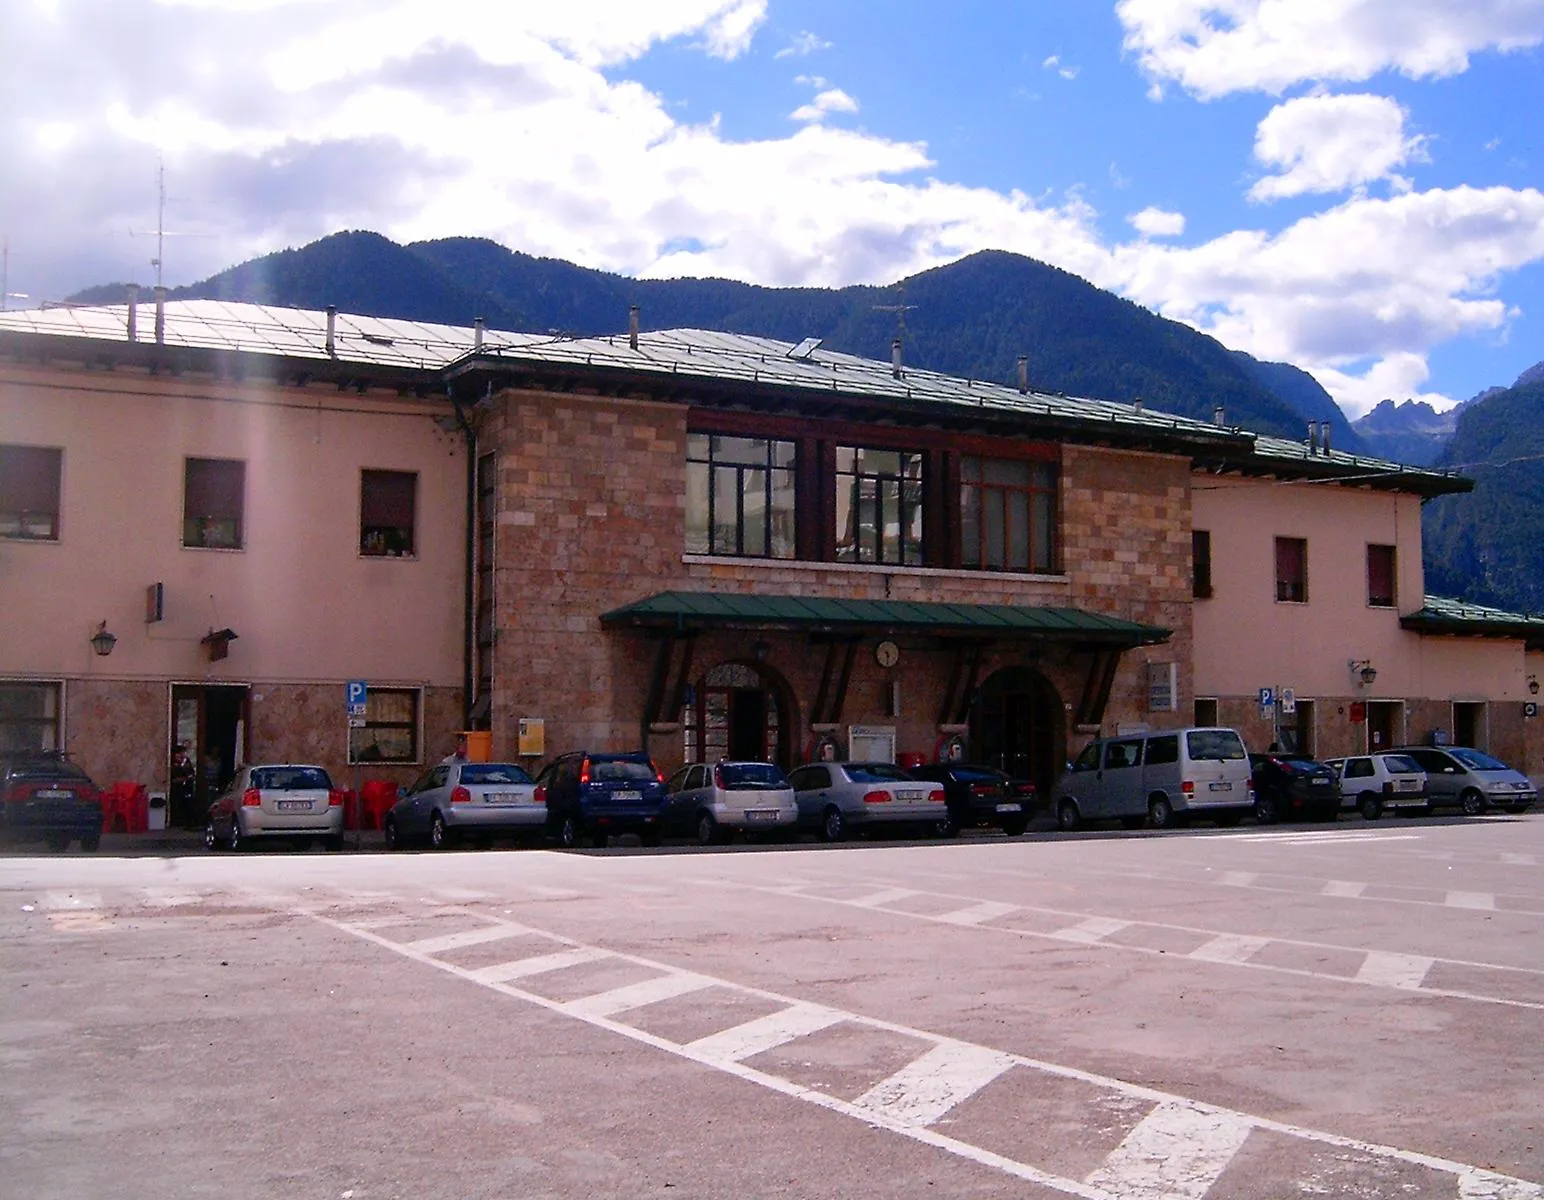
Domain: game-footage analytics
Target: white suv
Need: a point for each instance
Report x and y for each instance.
(1372, 783)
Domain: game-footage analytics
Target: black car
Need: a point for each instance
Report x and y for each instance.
(592, 795)
(978, 795)
(49, 799)
(1293, 787)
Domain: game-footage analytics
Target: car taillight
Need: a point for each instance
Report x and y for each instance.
(541, 795)
(876, 797)
(659, 776)
(1388, 787)
(460, 796)
(718, 778)
(584, 771)
(936, 796)
(334, 797)
(1188, 787)
(251, 798)
(983, 789)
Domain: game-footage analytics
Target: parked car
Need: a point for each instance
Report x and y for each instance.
(591, 795)
(978, 795)
(1471, 779)
(713, 801)
(1290, 787)
(1375, 783)
(838, 797)
(1164, 778)
(296, 801)
(454, 800)
(50, 799)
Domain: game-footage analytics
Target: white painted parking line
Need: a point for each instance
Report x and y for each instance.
(764, 1033)
(1343, 888)
(1175, 1153)
(926, 1088)
(636, 995)
(1520, 860)
(71, 901)
(1238, 878)
(468, 937)
(987, 910)
(1483, 1185)
(1394, 970)
(1232, 948)
(881, 898)
(1090, 930)
(1483, 900)
(524, 968)
(158, 897)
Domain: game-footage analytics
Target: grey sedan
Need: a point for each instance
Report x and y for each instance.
(834, 798)
(459, 799)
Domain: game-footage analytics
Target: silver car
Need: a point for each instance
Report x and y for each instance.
(836, 797)
(1471, 779)
(459, 799)
(711, 801)
(1375, 783)
(278, 800)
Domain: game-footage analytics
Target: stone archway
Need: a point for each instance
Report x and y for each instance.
(1017, 724)
(742, 710)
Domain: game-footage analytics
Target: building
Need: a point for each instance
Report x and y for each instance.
(702, 543)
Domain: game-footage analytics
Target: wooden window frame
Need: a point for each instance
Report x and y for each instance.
(30, 488)
(386, 499)
(1291, 570)
(50, 724)
(223, 525)
(772, 473)
(1039, 559)
(1387, 597)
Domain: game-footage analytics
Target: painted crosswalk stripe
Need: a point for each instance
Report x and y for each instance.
(1394, 970)
(1484, 1185)
(926, 1088)
(1344, 889)
(71, 901)
(1229, 948)
(987, 910)
(1483, 900)
(1094, 929)
(1238, 878)
(764, 1033)
(523, 968)
(468, 937)
(1176, 1153)
(636, 995)
(1520, 860)
(880, 899)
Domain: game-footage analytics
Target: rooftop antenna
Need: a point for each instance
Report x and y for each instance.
(899, 310)
(161, 232)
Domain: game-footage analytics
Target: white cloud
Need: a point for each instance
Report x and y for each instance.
(1330, 143)
(803, 45)
(1157, 222)
(832, 100)
(1054, 63)
(1214, 47)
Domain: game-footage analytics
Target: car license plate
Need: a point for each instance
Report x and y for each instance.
(1318, 783)
(52, 794)
(627, 795)
(1408, 785)
(1221, 785)
(501, 798)
(294, 806)
(1007, 808)
(761, 814)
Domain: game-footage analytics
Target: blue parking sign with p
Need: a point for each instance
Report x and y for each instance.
(356, 692)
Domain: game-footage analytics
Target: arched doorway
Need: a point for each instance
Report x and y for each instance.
(1016, 725)
(740, 710)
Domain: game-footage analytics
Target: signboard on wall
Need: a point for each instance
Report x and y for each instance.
(533, 735)
(871, 743)
(1162, 687)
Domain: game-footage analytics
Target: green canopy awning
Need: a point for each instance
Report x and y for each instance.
(688, 611)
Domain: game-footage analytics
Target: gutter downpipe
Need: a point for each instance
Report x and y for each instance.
(469, 562)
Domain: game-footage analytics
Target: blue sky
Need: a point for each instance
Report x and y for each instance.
(1349, 185)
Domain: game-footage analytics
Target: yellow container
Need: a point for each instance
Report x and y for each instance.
(479, 744)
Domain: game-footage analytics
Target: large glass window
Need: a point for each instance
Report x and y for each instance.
(212, 495)
(29, 492)
(739, 496)
(386, 512)
(878, 506)
(29, 717)
(1007, 514)
(390, 729)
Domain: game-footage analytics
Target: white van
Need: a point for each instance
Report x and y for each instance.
(1161, 778)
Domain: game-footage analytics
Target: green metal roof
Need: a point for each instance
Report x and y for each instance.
(687, 611)
(1440, 615)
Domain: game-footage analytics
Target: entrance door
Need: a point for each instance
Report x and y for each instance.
(210, 721)
(1385, 724)
(1015, 726)
(1469, 724)
(739, 715)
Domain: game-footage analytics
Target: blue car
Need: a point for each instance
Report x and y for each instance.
(591, 795)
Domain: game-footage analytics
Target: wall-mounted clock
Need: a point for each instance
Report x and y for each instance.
(887, 654)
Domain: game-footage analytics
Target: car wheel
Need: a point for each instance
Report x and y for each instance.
(1015, 826)
(1160, 813)
(233, 838)
(1265, 810)
(439, 836)
(333, 842)
(1473, 801)
(57, 842)
(569, 833)
(1067, 816)
(707, 829)
(1371, 806)
(389, 831)
(833, 826)
(211, 836)
(948, 827)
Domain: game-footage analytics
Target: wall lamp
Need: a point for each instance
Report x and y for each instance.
(102, 641)
(1533, 685)
(1362, 671)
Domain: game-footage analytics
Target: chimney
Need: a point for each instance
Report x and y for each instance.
(1023, 374)
(332, 331)
(478, 325)
(160, 315)
(1136, 405)
(1218, 417)
(632, 326)
(1313, 438)
(895, 358)
(1324, 438)
(133, 312)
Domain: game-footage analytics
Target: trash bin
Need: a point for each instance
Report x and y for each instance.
(479, 744)
(156, 815)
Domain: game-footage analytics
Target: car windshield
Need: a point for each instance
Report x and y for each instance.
(620, 770)
(978, 775)
(1306, 765)
(752, 775)
(1400, 762)
(494, 773)
(289, 779)
(1220, 744)
(1476, 761)
(876, 773)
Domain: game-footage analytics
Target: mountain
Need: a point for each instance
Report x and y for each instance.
(1306, 396)
(1488, 546)
(1413, 432)
(972, 318)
